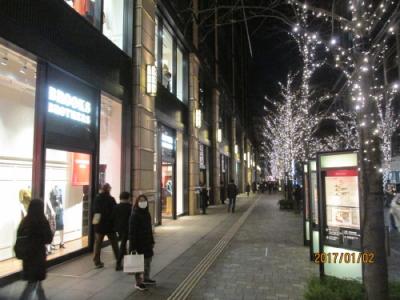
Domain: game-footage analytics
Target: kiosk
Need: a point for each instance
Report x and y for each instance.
(313, 208)
(306, 206)
(340, 232)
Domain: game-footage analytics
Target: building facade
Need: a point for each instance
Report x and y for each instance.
(108, 91)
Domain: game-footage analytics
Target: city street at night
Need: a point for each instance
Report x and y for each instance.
(200, 149)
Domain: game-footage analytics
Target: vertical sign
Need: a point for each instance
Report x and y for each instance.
(341, 254)
(306, 210)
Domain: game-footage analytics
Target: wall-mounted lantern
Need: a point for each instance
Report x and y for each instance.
(198, 118)
(219, 135)
(151, 80)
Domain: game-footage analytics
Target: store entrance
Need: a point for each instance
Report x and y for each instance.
(167, 190)
(167, 175)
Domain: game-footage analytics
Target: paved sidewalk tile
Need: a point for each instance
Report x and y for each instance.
(245, 272)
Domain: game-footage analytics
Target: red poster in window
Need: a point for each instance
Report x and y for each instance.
(342, 173)
(80, 169)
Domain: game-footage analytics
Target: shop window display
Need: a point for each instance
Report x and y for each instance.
(113, 21)
(110, 144)
(167, 60)
(17, 108)
(85, 8)
(67, 187)
(179, 74)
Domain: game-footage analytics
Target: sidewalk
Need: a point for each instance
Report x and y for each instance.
(265, 260)
(78, 279)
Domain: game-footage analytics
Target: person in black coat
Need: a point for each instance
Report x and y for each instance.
(104, 205)
(203, 197)
(248, 190)
(232, 193)
(141, 239)
(121, 215)
(35, 229)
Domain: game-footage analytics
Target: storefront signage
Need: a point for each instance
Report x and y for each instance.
(68, 106)
(167, 142)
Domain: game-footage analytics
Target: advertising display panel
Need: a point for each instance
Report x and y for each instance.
(313, 208)
(306, 210)
(340, 219)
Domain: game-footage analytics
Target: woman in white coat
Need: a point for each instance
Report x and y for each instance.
(395, 210)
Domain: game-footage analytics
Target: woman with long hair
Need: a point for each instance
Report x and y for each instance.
(35, 230)
(141, 239)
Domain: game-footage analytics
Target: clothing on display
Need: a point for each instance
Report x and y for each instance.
(57, 205)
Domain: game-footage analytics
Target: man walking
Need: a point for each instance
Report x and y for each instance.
(121, 215)
(103, 223)
(232, 193)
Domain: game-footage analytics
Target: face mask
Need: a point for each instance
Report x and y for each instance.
(143, 204)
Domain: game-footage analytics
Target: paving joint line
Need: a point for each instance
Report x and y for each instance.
(190, 282)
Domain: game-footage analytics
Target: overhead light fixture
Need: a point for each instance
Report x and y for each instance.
(151, 80)
(219, 135)
(198, 118)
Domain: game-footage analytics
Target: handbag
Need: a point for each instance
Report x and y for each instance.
(96, 218)
(134, 263)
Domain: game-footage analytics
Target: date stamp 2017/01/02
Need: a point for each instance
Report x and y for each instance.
(344, 257)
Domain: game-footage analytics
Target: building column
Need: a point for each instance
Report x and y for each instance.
(243, 180)
(144, 129)
(232, 167)
(194, 164)
(215, 154)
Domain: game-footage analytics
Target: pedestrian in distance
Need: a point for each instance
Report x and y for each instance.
(121, 215)
(33, 234)
(104, 205)
(141, 239)
(254, 187)
(222, 192)
(248, 189)
(232, 193)
(203, 197)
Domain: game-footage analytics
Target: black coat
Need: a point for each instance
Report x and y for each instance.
(38, 235)
(121, 214)
(104, 204)
(232, 190)
(141, 232)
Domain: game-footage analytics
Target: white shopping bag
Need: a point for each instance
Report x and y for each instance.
(134, 263)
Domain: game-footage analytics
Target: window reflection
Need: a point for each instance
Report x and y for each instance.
(85, 8)
(167, 60)
(113, 21)
(179, 74)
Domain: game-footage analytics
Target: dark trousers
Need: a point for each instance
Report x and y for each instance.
(231, 206)
(203, 204)
(99, 237)
(31, 289)
(122, 247)
(146, 273)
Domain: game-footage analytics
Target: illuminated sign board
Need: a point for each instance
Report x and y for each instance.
(167, 142)
(68, 106)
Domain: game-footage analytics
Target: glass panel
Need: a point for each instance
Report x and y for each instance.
(17, 109)
(179, 173)
(167, 60)
(338, 160)
(179, 75)
(113, 21)
(85, 8)
(66, 200)
(110, 144)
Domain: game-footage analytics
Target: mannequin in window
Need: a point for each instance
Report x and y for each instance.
(57, 205)
(25, 197)
(166, 76)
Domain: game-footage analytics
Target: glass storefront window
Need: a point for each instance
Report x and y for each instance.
(66, 200)
(167, 60)
(113, 21)
(179, 74)
(110, 144)
(86, 8)
(17, 110)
